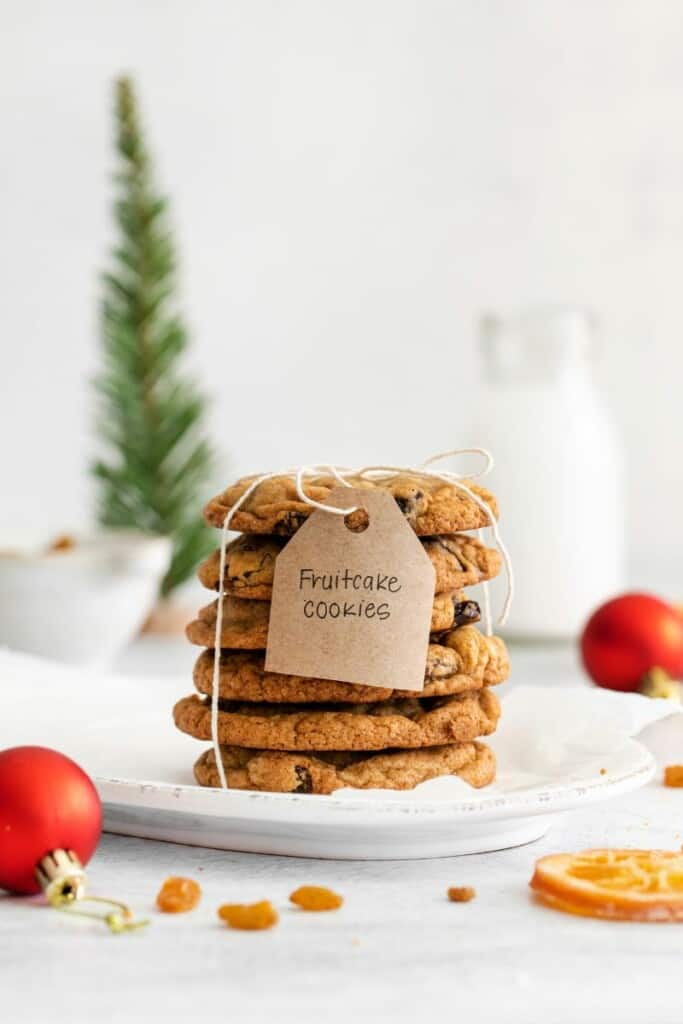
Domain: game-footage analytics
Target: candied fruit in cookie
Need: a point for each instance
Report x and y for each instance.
(249, 917)
(178, 895)
(316, 897)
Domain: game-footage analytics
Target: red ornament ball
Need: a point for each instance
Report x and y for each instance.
(628, 637)
(46, 803)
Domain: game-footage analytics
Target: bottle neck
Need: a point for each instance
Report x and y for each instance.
(538, 349)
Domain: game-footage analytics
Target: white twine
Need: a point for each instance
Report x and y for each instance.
(299, 475)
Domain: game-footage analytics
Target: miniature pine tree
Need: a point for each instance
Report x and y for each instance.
(155, 460)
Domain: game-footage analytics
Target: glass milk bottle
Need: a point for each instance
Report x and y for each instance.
(558, 473)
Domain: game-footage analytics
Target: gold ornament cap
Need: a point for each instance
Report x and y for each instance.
(61, 876)
(658, 683)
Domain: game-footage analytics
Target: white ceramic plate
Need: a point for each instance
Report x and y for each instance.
(344, 828)
(120, 730)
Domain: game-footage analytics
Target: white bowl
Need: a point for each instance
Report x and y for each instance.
(81, 605)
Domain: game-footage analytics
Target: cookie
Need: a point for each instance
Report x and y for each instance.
(243, 677)
(325, 771)
(245, 623)
(407, 723)
(466, 651)
(249, 567)
(459, 561)
(431, 506)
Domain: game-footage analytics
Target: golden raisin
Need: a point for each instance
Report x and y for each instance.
(249, 917)
(315, 897)
(673, 775)
(177, 895)
(461, 893)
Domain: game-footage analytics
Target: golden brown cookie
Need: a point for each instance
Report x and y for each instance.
(430, 506)
(243, 677)
(325, 771)
(244, 627)
(407, 723)
(469, 652)
(245, 623)
(249, 566)
(459, 561)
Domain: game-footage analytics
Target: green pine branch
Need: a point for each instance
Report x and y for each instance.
(155, 461)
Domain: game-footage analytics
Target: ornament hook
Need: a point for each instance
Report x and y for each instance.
(62, 878)
(117, 920)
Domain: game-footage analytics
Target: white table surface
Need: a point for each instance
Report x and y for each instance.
(397, 950)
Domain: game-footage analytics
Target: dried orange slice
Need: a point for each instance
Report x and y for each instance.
(627, 885)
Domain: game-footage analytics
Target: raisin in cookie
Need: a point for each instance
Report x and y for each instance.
(407, 723)
(430, 505)
(449, 611)
(326, 771)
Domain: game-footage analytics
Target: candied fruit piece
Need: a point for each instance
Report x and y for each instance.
(316, 897)
(62, 543)
(673, 775)
(461, 893)
(178, 895)
(250, 917)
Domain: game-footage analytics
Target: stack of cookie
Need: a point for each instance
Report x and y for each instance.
(291, 734)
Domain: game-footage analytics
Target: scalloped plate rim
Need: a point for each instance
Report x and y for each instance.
(552, 797)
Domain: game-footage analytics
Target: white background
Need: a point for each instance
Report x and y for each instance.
(352, 182)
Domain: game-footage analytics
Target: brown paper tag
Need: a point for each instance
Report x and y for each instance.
(350, 606)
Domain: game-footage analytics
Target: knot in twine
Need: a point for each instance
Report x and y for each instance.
(373, 473)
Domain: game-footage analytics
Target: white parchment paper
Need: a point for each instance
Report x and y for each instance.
(555, 733)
